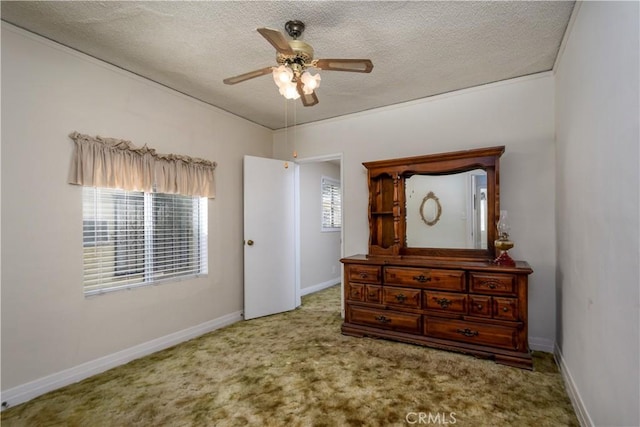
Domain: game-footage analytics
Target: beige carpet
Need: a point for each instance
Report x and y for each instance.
(296, 369)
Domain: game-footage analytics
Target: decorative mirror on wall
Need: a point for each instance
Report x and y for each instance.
(430, 209)
(460, 219)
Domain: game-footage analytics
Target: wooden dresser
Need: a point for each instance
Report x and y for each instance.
(452, 297)
(473, 307)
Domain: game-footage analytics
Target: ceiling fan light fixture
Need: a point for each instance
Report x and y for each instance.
(282, 75)
(294, 57)
(311, 82)
(289, 90)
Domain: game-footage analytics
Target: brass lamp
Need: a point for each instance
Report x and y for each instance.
(503, 244)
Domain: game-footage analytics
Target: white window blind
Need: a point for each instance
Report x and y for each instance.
(331, 205)
(133, 238)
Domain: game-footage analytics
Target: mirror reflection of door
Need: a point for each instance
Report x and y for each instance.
(479, 186)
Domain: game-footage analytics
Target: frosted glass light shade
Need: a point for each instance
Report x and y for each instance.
(311, 82)
(289, 90)
(282, 75)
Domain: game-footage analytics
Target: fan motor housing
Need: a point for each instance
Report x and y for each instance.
(303, 53)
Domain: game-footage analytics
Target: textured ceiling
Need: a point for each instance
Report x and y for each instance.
(418, 49)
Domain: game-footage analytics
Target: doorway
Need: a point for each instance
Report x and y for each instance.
(319, 243)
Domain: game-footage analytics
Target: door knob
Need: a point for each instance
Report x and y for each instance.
(250, 242)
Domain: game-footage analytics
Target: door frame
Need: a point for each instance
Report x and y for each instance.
(306, 160)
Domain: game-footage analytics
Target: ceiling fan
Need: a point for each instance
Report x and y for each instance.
(294, 58)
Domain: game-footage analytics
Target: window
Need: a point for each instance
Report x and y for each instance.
(135, 238)
(331, 205)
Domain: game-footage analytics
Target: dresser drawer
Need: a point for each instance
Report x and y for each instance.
(480, 305)
(355, 291)
(373, 293)
(425, 278)
(444, 301)
(495, 284)
(405, 297)
(387, 319)
(505, 308)
(364, 273)
(472, 332)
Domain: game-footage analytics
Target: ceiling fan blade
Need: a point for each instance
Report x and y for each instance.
(277, 40)
(247, 76)
(353, 65)
(307, 100)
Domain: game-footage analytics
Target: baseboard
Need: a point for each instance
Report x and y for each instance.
(572, 390)
(25, 392)
(541, 344)
(319, 287)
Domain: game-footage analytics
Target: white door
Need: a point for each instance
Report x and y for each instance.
(269, 237)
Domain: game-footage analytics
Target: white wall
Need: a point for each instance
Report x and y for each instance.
(319, 251)
(597, 211)
(47, 92)
(517, 113)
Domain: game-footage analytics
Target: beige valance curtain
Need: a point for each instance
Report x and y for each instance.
(115, 163)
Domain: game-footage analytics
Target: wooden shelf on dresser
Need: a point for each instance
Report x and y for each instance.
(474, 307)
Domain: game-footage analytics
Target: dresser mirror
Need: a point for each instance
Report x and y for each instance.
(447, 211)
(440, 205)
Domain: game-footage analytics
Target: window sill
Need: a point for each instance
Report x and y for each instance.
(131, 286)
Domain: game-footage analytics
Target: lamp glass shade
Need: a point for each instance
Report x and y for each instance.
(289, 90)
(311, 82)
(503, 226)
(282, 75)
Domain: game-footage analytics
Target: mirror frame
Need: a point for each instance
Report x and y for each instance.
(400, 169)
(436, 200)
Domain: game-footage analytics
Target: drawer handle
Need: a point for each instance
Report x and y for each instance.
(492, 285)
(467, 332)
(382, 319)
(373, 295)
(363, 275)
(401, 298)
(421, 278)
(479, 306)
(442, 302)
(505, 309)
